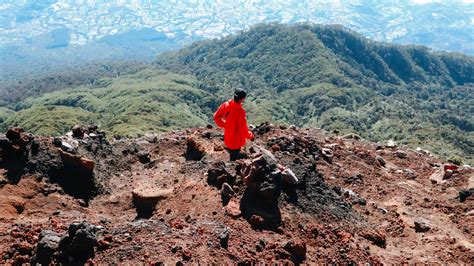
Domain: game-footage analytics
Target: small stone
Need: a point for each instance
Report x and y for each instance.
(374, 236)
(186, 254)
(207, 135)
(232, 209)
(362, 201)
(143, 157)
(327, 154)
(297, 249)
(380, 160)
(256, 220)
(227, 191)
(224, 238)
(409, 174)
(275, 147)
(401, 154)
(78, 131)
(391, 144)
(465, 194)
(57, 142)
(421, 226)
(67, 147)
(289, 177)
(14, 133)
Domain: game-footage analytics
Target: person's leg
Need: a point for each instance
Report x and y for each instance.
(234, 154)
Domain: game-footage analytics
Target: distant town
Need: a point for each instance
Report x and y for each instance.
(89, 21)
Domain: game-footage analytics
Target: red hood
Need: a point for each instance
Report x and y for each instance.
(233, 105)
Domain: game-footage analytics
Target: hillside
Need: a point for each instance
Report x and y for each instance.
(330, 77)
(148, 100)
(308, 75)
(301, 196)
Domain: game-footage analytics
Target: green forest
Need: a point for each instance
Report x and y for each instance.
(321, 76)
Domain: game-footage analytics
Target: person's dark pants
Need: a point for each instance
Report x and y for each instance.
(234, 154)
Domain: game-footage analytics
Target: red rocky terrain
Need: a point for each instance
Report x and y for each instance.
(299, 196)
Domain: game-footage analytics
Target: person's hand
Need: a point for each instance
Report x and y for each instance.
(252, 137)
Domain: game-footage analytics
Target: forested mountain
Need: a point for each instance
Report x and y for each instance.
(331, 77)
(308, 75)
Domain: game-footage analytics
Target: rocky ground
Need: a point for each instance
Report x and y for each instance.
(299, 196)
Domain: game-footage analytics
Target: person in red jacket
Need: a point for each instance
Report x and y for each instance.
(232, 118)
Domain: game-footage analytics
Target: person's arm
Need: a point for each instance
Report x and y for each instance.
(219, 116)
(244, 127)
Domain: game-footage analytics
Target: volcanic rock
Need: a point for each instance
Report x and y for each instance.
(143, 157)
(145, 199)
(78, 131)
(264, 186)
(401, 154)
(224, 238)
(67, 147)
(47, 247)
(289, 177)
(232, 208)
(391, 144)
(374, 236)
(217, 174)
(256, 221)
(380, 160)
(421, 226)
(14, 133)
(465, 193)
(227, 191)
(194, 149)
(327, 154)
(297, 249)
(80, 242)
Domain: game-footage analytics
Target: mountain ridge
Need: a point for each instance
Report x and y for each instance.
(293, 78)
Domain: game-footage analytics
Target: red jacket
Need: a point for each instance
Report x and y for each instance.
(231, 117)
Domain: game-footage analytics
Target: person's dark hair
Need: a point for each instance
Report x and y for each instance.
(239, 94)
